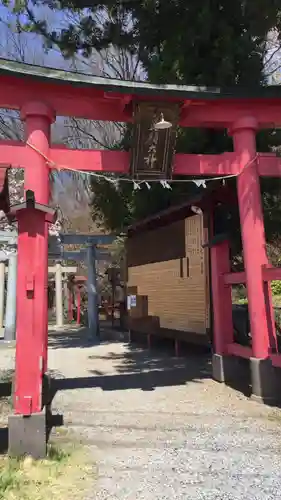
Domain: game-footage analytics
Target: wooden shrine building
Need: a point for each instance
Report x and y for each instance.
(169, 268)
(168, 276)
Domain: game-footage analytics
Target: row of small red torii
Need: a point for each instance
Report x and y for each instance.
(39, 101)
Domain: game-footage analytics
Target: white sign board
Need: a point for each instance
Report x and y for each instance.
(133, 300)
(129, 302)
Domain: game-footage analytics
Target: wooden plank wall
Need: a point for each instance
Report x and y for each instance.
(177, 289)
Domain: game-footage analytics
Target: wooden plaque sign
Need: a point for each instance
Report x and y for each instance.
(153, 150)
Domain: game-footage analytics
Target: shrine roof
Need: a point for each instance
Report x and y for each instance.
(165, 217)
(183, 210)
(175, 92)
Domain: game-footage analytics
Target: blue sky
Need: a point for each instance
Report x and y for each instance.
(51, 58)
(29, 45)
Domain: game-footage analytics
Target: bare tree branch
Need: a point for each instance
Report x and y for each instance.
(71, 188)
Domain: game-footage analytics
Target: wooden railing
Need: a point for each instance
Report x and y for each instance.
(269, 273)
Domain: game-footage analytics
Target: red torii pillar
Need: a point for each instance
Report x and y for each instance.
(38, 118)
(27, 432)
(263, 377)
(252, 230)
(255, 257)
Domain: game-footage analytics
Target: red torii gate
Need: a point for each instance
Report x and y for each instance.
(41, 94)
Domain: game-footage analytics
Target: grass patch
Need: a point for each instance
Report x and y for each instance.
(9, 477)
(65, 474)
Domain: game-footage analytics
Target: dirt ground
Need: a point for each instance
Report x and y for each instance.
(159, 427)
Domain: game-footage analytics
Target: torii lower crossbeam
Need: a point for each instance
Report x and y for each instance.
(19, 155)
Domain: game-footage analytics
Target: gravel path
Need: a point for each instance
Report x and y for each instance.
(159, 428)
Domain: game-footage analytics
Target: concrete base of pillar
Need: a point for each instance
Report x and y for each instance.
(256, 378)
(226, 368)
(233, 371)
(28, 435)
(10, 333)
(218, 368)
(266, 381)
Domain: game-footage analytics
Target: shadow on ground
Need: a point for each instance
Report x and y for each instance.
(137, 367)
(141, 368)
(71, 338)
(5, 389)
(3, 440)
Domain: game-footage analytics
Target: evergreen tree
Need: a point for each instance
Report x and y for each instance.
(210, 43)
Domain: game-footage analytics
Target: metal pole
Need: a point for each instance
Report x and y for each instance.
(93, 320)
(70, 304)
(2, 292)
(78, 294)
(59, 302)
(113, 302)
(10, 317)
(65, 298)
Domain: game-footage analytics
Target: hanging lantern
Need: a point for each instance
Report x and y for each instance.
(154, 139)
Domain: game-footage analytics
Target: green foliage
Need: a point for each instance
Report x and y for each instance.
(276, 287)
(218, 43)
(119, 205)
(211, 43)
(242, 302)
(9, 477)
(56, 454)
(277, 316)
(11, 469)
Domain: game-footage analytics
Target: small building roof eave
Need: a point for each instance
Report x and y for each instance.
(203, 200)
(167, 216)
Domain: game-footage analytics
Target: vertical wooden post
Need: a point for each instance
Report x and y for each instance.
(27, 427)
(78, 305)
(58, 292)
(270, 317)
(264, 379)
(113, 301)
(31, 297)
(28, 435)
(10, 316)
(221, 298)
(38, 118)
(252, 229)
(2, 293)
(65, 294)
(93, 317)
(177, 348)
(70, 304)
